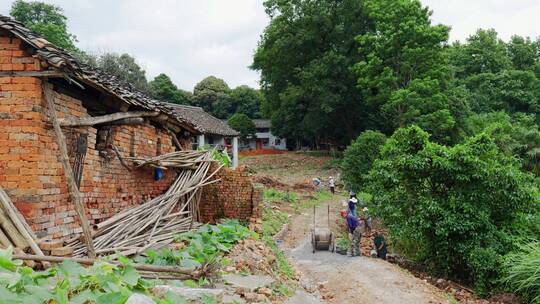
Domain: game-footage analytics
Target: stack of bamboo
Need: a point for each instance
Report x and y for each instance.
(179, 159)
(156, 222)
(14, 230)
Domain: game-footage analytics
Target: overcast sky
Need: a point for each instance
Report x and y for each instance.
(191, 39)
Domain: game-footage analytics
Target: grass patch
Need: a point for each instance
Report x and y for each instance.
(316, 200)
(272, 195)
(523, 272)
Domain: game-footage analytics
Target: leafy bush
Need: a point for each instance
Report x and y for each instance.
(201, 246)
(220, 156)
(523, 272)
(457, 203)
(70, 282)
(359, 157)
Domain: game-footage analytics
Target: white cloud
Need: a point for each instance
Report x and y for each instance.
(191, 39)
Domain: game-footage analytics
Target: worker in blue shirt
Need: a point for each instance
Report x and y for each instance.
(354, 233)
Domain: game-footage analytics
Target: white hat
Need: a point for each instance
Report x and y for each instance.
(354, 200)
(365, 209)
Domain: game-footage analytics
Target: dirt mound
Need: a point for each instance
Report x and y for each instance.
(269, 182)
(303, 187)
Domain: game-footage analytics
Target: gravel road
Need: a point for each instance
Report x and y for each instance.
(341, 279)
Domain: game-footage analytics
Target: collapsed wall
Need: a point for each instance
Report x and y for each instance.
(234, 196)
(30, 170)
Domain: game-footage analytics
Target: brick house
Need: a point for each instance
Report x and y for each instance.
(30, 169)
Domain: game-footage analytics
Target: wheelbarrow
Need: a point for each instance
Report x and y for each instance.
(322, 238)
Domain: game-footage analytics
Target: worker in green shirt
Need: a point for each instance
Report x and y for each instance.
(380, 245)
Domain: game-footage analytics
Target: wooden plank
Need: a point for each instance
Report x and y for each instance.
(72, 185)
(31, 74)
(90, 121)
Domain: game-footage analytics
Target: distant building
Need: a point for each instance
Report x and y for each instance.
(264, 139)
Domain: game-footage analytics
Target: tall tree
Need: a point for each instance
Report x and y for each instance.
(404, 74)
(125, 68)
(212, 94)
(163, 88)
(246, 100)
(483, 52)
(305, 57)
(46, 19)
(243, 124)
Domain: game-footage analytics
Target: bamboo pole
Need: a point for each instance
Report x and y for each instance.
(84, 261)
(73, 189)
(4, 240)
(12, 231)
(14, 213)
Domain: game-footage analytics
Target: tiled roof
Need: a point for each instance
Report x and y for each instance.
(75, 70)
(207, 123)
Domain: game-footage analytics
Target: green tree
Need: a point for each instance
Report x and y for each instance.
(247, 101)
(483, 52)
(212, 94)
(243, 124)
(305, 57)
(508, 90)
(404, 74)
(524, 54)
(451, 208)
(358, 158)
(125, 68)
(46, 19)
(516, 136)
(163, 88)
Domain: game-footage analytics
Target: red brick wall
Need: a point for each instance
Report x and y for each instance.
(30, 170)
(234, 196)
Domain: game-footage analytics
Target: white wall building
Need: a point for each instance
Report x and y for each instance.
(264, 139)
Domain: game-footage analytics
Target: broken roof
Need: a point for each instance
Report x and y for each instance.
(79, 72)
(207, 123)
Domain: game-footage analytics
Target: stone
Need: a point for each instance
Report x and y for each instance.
(230, 269)
(229, 299)
(192, 294)
(248, 283)
(265, 291)
(251, 296)
(138, 298)
(302, 297)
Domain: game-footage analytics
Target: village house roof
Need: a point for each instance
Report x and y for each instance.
(79, 73)
(262, 123)
(207, 123)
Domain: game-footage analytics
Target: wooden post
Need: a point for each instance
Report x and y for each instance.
(235, 152)
(72, 185)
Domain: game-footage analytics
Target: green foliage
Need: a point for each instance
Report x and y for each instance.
(163, 88)
(274, 195)
(522, 272)
(212, 94)
(221, 157)
(516, 136)
(243, 124)
(247, 101)
(45, 19)
(124, 67)
(304, 57)
(359, 157)
(404, 75)
(509, 90)
(68, 282)
(457, 203)
(204, 245)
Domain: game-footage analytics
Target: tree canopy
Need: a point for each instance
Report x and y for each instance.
(46, 19)
(125, 67)
(164, 89)
(212, 94)
(243, 124)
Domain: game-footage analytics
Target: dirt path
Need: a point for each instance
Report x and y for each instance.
(341, 279)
